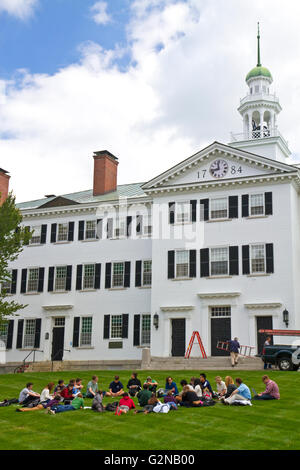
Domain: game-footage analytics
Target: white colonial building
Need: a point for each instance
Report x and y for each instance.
(211, 245)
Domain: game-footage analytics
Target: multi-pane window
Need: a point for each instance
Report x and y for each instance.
(86, 331)
(29, 334)
(183, 212)
(88, 276)
(120, 227)
(118, 275)
(220, 311)
(257, 206)
(146, 330)
(60, 321)
(182, 263)
(219, 208)
(62, 232)
(90, 229)
(36, 236)
(116, 326)
(60, 278)
(147, 224)
(3, 333)
(147, 273)
(6, 286)
(219, 261)
(258, 264)
(33, 280)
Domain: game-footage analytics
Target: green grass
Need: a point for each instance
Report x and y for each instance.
(271, 425)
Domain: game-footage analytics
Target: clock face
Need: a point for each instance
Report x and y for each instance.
(219, 168)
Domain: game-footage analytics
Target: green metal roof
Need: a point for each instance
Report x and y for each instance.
(259, 71)
(85, 197)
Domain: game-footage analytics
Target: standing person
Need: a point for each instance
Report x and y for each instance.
(27, 395)
(268, 342)
(271, 392)
(242, 393)
(134, 385)
(234, 347)
(92, 387)
(115, 388)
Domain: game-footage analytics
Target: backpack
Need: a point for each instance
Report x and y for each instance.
(112, 406)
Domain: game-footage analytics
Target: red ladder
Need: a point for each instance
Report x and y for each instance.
(190, 346)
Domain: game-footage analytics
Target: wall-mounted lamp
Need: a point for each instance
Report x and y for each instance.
(286, 317)
(156, 321)
(46, 335)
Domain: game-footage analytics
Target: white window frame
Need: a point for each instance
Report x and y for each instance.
(210, 208)
(142, 331)
(89, 334)
(119, 227)
(34, 228)
(188, 214)
(220, 307)
(177, 264)
(28, 280)
(7, 285)
(263, 205)
(251, 258)
(86, 229)
(112, 327)
(58, 235)
(143, 273)
(4, 333)
(28, 346)
(147, 225)
(84, 276)
(210, 260)
(119, 286)
(55, 278)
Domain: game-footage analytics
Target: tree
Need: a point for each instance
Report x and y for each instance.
(13, 237)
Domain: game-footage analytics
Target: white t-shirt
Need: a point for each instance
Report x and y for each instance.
(198, 391)
(221, 387)
(45, 395)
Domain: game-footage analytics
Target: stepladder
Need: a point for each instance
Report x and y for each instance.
(191, 343)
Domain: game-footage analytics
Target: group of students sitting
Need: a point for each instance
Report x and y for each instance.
(197, 393)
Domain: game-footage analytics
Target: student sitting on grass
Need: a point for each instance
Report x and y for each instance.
(41, 406)
(230, 386)
(92, 387)
(97, 404)
(170, 398)
(77, 403)
(198, 388)
(134, 385)
(77, 387)
(115, 388)
(60, 385)
(242, 393)
(206, 385)
(126, 404)
(190, 398)
(152, 384)
(144, 395)
(67, 393)
(148, 408)
(271, 392)
(221, 387)
(27, 395)
(171, 386)
(46, 393)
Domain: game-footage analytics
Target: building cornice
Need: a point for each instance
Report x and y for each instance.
(219, 295)
(57, 307)
(264, 305)
(178, 308)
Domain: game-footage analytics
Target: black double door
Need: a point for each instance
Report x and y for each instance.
(58, 338)
(220, 331)
(263, 323)
(178, 337)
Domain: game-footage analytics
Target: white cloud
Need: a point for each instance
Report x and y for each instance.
(99, 13)
(189, 62)
(22, 9)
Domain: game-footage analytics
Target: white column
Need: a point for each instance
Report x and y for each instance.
(250, 126)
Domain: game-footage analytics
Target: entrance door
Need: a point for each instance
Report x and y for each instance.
(178, 337)
(263, 323)
(58, 337)
(220, 329)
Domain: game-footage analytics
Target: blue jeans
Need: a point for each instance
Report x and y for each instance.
(62, 408)
(266, 396)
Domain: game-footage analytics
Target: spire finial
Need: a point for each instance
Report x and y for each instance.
(258, 46)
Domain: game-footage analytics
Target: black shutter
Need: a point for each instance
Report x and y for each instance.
(204, 262)
(106, 327)
(125, 325)
(193, 211)
(139, 224)
(97, 275)
(246, 259)
(81, 230)
(76, 332)
(171, 212)
(171, 264)
(71, 232)
(20, 334)
(204, 209)
(233, 207)
(128, 225)
(41, 279)
(51, 279)
(14, 276)
(269, 258)
(108, 276)
(138, 273)
(10, 333)
(37, 336)
(43, 234)
(127, 274)
(136, 330)
(99, 228)
(268, 204)
(69, 278)
(245, 205)
(79, 277)
(234, 260)
(109, 228)
(23, 281)
(53, 233)
(193, 255)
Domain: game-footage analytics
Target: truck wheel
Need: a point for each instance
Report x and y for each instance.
(285, 363)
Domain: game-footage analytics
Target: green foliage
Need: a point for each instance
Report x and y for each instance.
(13, 237)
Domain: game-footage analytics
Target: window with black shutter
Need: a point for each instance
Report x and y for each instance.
(171, 212)
(23, 281)
(204, 262)
(125, 319)
(128, 225)
(233, 260)
(99, 228)
(108, 276)
(71, 232)
(10, 333)
(76, 332)
(136, 330)
(233, 207)
(139, 224)
(245, 205)
(14, 277)
(193, 266)
(43, 234)
(81, 230)
(268, 203)
(171, 264)
(53, 233)
(127, 274)
(204, 209)
(109, 228)
(106, 327)
(269, 258)
(79, 277)
(51, 279)
(97, 275)
(20, 334)
(193, 211)
(138, 274)
(69, 278)
(41, 279)
(246, 259)
(37, 337)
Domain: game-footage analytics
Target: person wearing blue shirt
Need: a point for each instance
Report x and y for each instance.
(242, 393)
(115, 388)
(171, 386)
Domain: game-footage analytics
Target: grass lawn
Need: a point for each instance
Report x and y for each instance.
(273, 425)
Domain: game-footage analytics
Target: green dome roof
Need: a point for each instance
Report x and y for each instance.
(259, 71)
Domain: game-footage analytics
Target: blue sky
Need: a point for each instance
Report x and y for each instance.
(49, 39)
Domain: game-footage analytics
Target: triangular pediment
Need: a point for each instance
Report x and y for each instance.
(59, 201)
(218, 162)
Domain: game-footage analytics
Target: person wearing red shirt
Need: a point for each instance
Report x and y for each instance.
(126, 404)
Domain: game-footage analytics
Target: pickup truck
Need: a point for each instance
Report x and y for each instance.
(286, 357)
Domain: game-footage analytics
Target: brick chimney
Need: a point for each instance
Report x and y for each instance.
(4, 184)
(105, 172)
